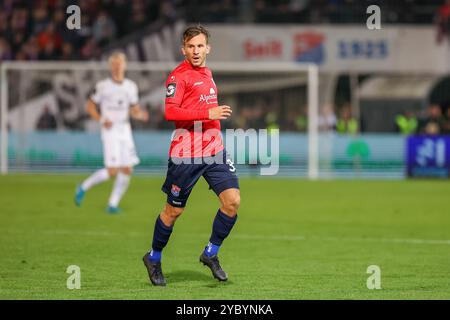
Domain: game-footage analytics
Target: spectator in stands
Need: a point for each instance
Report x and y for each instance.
(346, 123)
(103, 21)
(447, 122)
(167, 12)
(3, 23)
(433, 123)
(258, 112)
(21, 55)
(59, 19)
(327, 119)
(19, 21)
(67, 52)
(31, 49)
(298, 9)
(49, 38)
(301, 120)
(89, 50)
(41, 17)
(240, 120)
(406, 123)
(104, 29)
(5, 50)
(49, 52)
(271, 120)
(138, 17)
(443, 22)
(46, 121)
(290, 123)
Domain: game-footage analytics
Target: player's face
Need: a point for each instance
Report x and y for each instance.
(117, 67)
(196, 50)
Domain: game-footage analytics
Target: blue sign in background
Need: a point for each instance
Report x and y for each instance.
(428, 156)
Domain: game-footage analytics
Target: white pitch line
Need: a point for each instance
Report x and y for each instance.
(304, 238)
(391, 240)
(257, 237)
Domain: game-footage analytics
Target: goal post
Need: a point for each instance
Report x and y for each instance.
(264, 75)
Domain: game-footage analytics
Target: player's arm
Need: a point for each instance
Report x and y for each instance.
(173, 112)
(91, 109)
(138, 113)
(220, 112)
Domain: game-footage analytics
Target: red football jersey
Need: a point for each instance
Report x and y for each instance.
(191, 92)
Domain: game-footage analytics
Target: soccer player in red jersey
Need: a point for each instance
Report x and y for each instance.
(196, 150)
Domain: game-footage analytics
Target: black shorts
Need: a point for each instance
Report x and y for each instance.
(182, 177)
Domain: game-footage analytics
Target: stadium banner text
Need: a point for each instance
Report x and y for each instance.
(334, 49)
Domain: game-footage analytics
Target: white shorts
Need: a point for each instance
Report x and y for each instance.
(119, 153)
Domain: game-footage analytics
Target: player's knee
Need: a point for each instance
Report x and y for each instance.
(112, 172)
(232, 203)
(127, 170)
(172, 213)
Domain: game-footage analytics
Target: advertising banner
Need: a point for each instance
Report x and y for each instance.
(428, 156)
(334, 49)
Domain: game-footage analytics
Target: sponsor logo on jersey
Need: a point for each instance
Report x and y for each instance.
(198, 83)
(175, 190)
(171, 88)
(212, 98)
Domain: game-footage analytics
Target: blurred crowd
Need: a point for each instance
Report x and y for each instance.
(433, 121)
(310, 11)
(36, 30)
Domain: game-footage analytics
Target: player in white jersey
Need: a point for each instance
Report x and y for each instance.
(117, 98)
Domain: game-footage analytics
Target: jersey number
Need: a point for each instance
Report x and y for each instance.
(231, 165)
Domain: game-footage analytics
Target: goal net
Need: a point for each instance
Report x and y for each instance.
(45, 127)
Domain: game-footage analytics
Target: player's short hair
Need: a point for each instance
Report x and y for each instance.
(191, 32)
(117, 54)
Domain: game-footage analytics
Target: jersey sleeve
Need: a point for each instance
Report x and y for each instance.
(96, 94)
(175, 90)
(134, 94)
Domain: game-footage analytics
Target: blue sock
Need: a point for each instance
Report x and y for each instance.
(222, 226)
(211, 249)
(155, 256)
(161, 235)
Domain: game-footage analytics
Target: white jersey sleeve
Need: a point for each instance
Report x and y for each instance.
(134, 94)
(96, 95)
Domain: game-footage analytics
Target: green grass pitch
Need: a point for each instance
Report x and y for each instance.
(294, 239)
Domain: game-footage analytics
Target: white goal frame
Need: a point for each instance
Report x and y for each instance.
(311, 70)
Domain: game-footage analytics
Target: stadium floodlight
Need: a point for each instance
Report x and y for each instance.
(264, 76)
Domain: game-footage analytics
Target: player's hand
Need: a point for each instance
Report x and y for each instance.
(220, 112)
(107, 123)
(144, 115)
